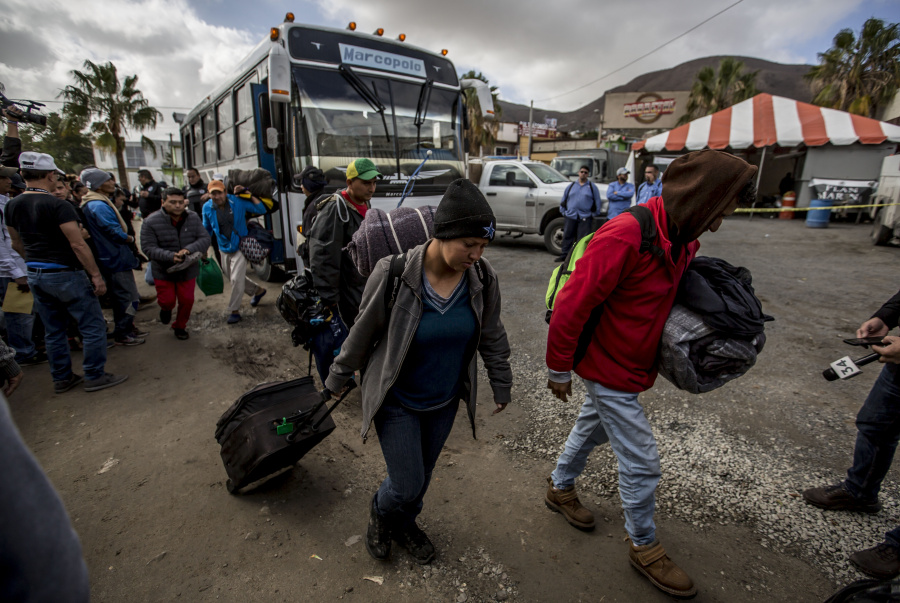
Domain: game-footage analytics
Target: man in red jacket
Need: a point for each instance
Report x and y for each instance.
(606, 326)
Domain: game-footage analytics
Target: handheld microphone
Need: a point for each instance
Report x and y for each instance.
(846, 368)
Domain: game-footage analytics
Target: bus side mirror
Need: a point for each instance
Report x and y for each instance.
(279, 74)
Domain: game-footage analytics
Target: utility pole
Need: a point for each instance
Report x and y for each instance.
(530, 128)
(600, 133)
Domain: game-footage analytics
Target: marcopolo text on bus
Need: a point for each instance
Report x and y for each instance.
(391, 61)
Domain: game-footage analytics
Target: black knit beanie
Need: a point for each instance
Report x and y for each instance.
(464, 212)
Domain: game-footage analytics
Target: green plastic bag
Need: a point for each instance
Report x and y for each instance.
(210, 278)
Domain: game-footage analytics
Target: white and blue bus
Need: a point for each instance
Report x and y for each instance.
(320, 96)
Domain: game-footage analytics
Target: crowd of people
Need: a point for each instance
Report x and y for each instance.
(70, 241)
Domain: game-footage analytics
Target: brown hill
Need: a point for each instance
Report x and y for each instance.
(774, 78)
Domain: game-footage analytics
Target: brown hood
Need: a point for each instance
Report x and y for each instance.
(697, 187)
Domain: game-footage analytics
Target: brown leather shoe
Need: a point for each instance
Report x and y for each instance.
(882, 561)
(838, 498)
(566, 502)
(652, 561)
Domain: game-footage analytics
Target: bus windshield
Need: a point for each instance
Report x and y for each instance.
(339, 124)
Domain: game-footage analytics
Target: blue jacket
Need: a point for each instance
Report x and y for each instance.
(110, 241)
(647, 191)
(240, 208)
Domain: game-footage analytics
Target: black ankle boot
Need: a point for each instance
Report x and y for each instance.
(378, 535)
(414, 540)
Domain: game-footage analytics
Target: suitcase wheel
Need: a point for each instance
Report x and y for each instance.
(229, 485)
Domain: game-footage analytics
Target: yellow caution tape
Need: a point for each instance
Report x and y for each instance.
(747, 210)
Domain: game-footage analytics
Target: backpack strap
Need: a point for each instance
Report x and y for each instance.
(392, 287)
(565, 200)
(645, 219)
(482, 273)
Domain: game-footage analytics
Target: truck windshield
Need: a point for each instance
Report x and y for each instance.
(340, 125)
(569, 166)
(546, 174)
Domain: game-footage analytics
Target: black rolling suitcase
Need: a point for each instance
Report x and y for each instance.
(271, 427)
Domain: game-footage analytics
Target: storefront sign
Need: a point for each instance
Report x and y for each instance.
(649, 108)
(538, 130)
(843, 192)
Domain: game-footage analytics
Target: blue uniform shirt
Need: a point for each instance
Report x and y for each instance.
(647, 191)
(583, 200)
(619, 196)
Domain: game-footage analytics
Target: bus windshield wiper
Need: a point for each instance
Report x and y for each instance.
(372, 99)
(422, 108)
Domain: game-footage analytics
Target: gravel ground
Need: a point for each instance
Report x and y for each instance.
(140, 473)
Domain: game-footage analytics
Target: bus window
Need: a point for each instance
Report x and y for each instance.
(209, 137)
(246, 131)
(197, 141)
(225, 119)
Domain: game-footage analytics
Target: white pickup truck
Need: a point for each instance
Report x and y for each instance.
(525, 197)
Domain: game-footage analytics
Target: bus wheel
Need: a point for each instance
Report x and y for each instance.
(881, 234)
(553, 235)
(267, 272)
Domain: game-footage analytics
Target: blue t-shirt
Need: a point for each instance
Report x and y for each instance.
(437, 356)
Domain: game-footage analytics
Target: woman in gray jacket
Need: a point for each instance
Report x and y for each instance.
(418, 359)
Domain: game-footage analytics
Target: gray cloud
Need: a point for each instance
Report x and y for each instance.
(23, 49)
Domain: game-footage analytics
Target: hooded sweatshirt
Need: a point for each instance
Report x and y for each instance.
(618, 299)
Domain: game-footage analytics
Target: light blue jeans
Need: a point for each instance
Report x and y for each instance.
(618, 418)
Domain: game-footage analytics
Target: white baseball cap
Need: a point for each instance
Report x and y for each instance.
(37, 161)
(621, 171)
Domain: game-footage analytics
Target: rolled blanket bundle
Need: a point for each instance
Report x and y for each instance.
(259, 182)
(389, 233)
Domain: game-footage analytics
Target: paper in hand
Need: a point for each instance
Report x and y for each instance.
(16, 301)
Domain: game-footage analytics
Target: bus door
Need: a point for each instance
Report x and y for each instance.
(262, 117)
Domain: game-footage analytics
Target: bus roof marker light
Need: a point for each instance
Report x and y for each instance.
(351, 26)
(289, 18)
(273, 34)
(379, 32)
(444, 52)
(402, 37)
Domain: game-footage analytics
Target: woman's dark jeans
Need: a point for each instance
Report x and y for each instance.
(411, 442)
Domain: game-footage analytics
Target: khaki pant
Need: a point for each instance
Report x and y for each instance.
(234, 266)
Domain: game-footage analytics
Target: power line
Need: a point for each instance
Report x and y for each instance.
(644, 56)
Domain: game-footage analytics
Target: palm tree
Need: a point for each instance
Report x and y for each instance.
(481, 133)
(862, 74)
(111, 107)
(716, 90)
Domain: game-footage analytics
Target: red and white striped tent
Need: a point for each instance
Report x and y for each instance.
(766, 120)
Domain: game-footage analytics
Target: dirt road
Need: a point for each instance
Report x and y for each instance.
(140, 473)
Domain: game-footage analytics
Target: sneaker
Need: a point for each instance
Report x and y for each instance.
(414, 540)
(107, 380)
(254, 301)
(165, 316)
(838, 498)
(882, 561)
(566, 502)
(129, 341)
(38, 358)
(378, 535)
(234, 318)
(652, 561)
(61, 387)
(181, 334)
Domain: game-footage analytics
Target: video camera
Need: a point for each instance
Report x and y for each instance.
(31, 113)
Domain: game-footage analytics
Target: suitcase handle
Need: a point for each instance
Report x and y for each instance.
(326, 395)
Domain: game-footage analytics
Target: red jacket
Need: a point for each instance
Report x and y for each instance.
(632, 292)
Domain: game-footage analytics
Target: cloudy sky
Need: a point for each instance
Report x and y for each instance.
(530, 49)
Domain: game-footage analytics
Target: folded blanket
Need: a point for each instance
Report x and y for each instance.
(388, 233)
(696, 358)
